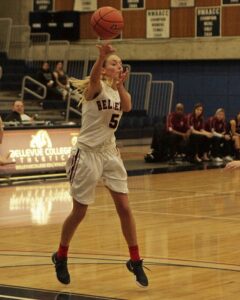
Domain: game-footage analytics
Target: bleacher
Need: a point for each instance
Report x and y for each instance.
(22, 55)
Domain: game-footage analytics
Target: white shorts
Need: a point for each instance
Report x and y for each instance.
(85, 168)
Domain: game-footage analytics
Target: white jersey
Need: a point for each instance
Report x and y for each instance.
(100, 119)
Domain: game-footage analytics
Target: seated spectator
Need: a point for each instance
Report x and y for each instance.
(178, 132)
(221, 140)
(235, 132)
(17, 114)
(199, 140)
(45, 76)
(61, 80)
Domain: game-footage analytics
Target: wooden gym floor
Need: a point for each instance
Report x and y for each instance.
(188, 229)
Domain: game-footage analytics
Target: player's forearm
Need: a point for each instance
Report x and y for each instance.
(96, 71)
(126, 103)
(176, 132)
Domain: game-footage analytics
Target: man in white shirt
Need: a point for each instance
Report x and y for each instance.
(17, 114)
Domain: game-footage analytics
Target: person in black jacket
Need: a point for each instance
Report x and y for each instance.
(45, 76)
(17, 114)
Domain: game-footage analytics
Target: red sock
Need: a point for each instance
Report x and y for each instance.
(134, 253)
(62, 251)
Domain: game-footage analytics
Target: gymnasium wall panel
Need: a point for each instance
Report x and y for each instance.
(215, 83)
(199, 3)
(86, 31)
(134, 24)
(113, 3)
(182, 22)
(64, 5)
(231, 21)
(156, 4)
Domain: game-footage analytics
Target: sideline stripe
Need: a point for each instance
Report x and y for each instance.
(18, 298)
(115, 259)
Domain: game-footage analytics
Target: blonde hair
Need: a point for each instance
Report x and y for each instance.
(219, 110)
(81, 85)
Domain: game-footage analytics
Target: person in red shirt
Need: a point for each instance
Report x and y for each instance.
(221, 140)
(199, 140)
(178, 131)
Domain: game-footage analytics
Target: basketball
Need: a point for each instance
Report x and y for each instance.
(107, 22)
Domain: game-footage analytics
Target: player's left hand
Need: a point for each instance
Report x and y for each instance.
(122, 76)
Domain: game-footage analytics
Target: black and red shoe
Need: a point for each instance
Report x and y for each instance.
(136, 267)
(61, 269)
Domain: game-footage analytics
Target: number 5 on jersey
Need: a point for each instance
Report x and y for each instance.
(114, 121)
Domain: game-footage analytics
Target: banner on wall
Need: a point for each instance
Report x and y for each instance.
(182, 3)
(158, 23)
(133, 4)
(40, 150)
(43, 5)
(208, 21)
(231, 2)
(85, 5)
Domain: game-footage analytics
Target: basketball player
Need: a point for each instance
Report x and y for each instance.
(1, 129)
(96, 156)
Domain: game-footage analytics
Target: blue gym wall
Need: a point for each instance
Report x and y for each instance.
(213, 83)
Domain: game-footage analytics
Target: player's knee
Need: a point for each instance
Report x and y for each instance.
(79, 211)
(123, 209)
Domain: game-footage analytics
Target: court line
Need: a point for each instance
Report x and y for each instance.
(221, 195)
(170, 214)
(155, 260)
(168, 264)
(53, 292)
(188, 215)
(93, 257)
(18, 298)
(183, 191)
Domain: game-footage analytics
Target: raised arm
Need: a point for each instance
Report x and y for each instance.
(94, 87)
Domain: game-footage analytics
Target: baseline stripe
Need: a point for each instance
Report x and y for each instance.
(17, 298)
